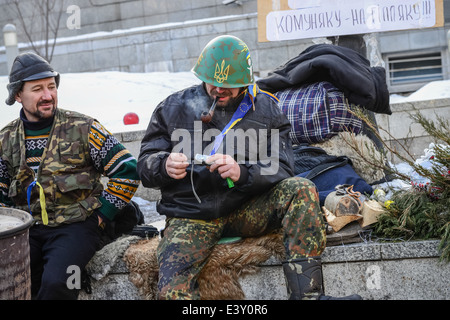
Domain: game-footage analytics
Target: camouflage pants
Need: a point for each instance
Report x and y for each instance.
(293, 204)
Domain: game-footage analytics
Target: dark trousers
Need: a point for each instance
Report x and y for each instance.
(53, 250)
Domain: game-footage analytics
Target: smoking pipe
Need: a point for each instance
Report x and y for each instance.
(207, 116)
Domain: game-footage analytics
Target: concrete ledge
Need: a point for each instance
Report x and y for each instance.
(401, 270)
(381, 271)
(374, 251)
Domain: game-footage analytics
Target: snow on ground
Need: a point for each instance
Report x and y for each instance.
(108, 96)
(432, 90)
(151, 216)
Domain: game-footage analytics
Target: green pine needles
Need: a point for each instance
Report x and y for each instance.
(423, 211)
(415, 215)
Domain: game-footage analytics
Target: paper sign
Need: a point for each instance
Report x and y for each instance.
(323, 18)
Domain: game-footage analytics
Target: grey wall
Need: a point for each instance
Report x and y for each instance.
(109, 15)
(155, 35)
(170, 47)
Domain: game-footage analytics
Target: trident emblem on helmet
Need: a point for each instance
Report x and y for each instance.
(221, 73)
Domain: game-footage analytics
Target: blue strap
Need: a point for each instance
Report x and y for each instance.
(30, 187)
(44, 214)
(245, 105)
(241, 111)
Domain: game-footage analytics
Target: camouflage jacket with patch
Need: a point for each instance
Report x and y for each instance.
(70, 182)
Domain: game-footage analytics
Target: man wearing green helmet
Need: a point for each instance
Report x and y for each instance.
(225, 62)
(228, 175)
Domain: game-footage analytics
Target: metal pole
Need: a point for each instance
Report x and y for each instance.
(10, 39)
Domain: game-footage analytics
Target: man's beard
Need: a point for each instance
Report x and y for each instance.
(40, 115)
(232, 103)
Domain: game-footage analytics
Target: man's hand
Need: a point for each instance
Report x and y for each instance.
(176, 165)
(225, 165)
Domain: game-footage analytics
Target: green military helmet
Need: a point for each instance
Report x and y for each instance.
(225, 62)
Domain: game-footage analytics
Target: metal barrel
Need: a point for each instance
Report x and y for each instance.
(15, 276)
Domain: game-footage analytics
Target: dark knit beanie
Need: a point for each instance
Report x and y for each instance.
(26, 67)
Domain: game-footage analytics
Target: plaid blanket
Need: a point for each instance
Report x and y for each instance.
(317, 112)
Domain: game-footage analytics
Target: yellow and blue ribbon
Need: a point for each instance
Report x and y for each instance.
(44, 214)
(241, 111)
(246, 104)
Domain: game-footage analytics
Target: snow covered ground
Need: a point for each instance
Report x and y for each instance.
(108, 96)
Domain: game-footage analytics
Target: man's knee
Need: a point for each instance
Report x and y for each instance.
(303, 199)
(56, 288)
(298, 185)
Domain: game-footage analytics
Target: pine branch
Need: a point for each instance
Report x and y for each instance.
(420, 214)
(440, 132)
(370, 158)
(360, 113)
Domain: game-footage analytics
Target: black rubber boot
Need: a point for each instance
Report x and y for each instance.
(304, 280)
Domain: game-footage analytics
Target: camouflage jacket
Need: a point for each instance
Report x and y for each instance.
(70, 182)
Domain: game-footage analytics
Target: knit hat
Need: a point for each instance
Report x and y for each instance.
(26, 67)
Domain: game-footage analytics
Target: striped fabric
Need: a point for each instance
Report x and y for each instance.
(317, 112)
(112, 159)
(35, 142)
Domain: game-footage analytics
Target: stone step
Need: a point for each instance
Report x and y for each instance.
(375, 270)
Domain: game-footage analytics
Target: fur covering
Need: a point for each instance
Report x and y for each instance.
(106, 258)
(219, 277)
(142, 264)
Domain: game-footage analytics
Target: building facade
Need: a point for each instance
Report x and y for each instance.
(152, 35)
